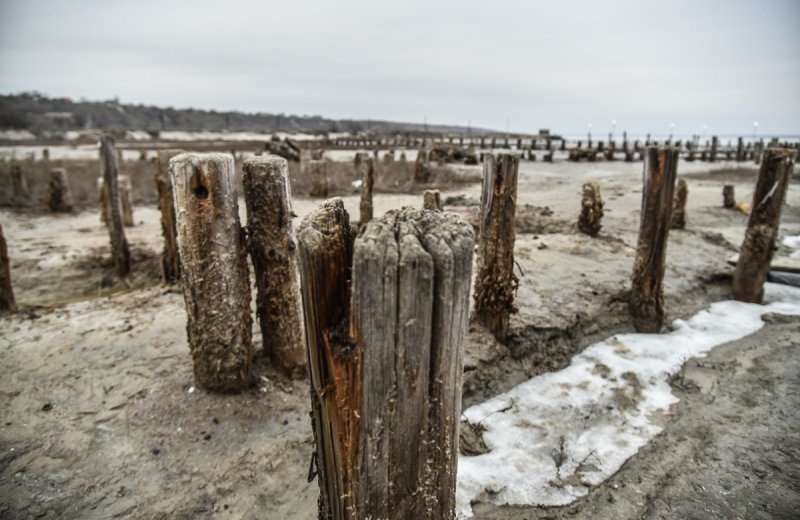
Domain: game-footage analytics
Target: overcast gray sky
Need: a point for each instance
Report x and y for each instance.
(559, 63)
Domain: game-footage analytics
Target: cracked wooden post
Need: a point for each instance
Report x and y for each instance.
(367, 173)
(60, 198)
(758, 246)
(170, 259)
(591, 217)
(7, 302)
(728, 196)
(215, 278)
(273, 251)
(20, 194)
(119, 244)
(679, 215)
(496, 283)
(126, 200)
(386, 361)
(318, 172)
(432, 200)
(647, 294)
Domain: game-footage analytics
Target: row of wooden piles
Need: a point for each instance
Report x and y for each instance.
(377, 313)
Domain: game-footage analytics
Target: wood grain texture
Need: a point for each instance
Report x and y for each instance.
(119, 244)
(366, 170)
(496, 283)
(679, 214)
(170, 258)
(647, 294)
(325, 240)
(758, 246)
(397, 421)
(215, 278)
(273, 251)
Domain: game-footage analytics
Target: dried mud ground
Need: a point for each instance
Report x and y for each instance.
(100, 418)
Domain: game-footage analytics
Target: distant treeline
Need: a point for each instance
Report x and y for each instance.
(37, 113)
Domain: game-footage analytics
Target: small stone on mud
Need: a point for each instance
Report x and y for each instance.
(47, 407)
(215, 420)
(155, 451)
(207, 437)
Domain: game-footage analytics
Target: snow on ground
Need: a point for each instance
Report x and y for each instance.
(554, 436)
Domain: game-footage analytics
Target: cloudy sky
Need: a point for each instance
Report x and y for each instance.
(523, 65)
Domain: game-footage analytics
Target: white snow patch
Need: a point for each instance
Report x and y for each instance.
(596, 413)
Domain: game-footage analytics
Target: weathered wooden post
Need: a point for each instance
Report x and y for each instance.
(590, 219)
(20, 194)
(367, 170)
(126, 200)
(714, 147)
(386, 356)
(496, 282)
(679, 207)
(7, 301)
(170, 259)
(758, 246)
(318, 172)
(740, 149)
(119, 244)
(273, 251)
(728, 196)
(214, 278)
(102, 199)
(432, 200)
(647, 294)
(421, 170)
(60, 198)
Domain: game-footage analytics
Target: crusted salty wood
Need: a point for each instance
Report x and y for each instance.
(170, 259)
(387, 426)
(366, 169)
(119, 244)
(20, 194)
(318, 173)
(591, 217)
(762, 227)
(59, 199)
(126, 200)
(647, 294)
(325, 240)
(728, 196)
(432, 200)
(496, 282)
(679, 207)
(7, 301)
(273, 251)
(215, 277)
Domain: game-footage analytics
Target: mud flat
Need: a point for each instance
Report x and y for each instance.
(101, 418)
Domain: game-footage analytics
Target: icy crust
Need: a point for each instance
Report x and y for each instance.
(553, 437)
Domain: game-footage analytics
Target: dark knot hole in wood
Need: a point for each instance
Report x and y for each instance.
(198, 184)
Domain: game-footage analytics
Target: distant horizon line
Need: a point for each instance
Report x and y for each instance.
(454, 126)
